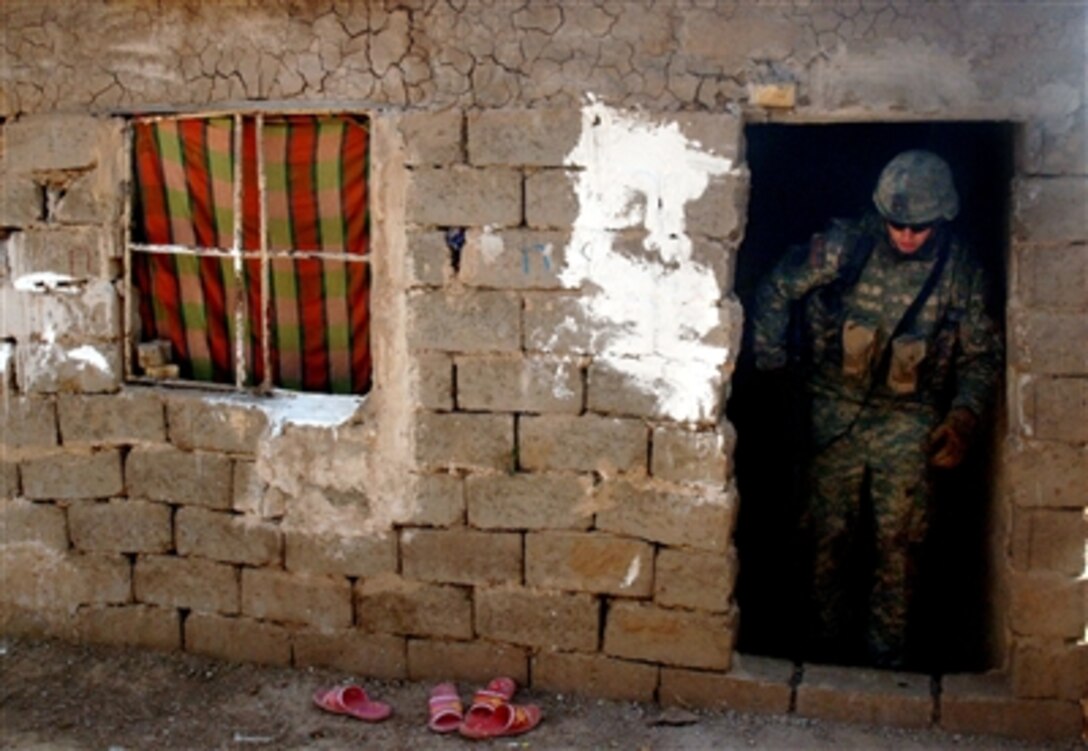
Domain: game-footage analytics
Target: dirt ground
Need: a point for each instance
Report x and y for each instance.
(62, 697)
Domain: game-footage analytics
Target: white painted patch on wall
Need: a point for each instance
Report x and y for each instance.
(314, 410)
(560, 389)
(632, 572)
(49, 366)
(310, 410)
(491, 245)
(649, 310)
(87, 355)
(7, 370)
(47, 281)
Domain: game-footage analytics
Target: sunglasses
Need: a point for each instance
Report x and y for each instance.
(915, 228)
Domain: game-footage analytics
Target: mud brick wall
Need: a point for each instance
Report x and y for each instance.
(540, 483)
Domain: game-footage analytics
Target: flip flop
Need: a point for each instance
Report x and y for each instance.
(480, 721)
(521, 718)
(445, 710)
(351, 700)
(492, 715)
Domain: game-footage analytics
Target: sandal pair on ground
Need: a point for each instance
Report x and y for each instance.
(491, 714)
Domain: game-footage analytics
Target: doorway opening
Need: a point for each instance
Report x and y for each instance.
(802, 176)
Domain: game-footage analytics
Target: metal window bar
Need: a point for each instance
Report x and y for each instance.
(236, 252)
(239, 275)
(266, 274)
(126, 294)
(188, 250)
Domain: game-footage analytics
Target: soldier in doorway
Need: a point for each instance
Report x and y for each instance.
(884, 319)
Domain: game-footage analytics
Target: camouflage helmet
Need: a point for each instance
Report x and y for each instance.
(916, 188)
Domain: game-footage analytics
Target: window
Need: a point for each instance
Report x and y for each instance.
(248, 256)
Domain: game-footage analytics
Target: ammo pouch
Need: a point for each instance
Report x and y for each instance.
(907, 355)
(858, 349)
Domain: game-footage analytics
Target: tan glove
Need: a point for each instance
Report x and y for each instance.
(949, 441)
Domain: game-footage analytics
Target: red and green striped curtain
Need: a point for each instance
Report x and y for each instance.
(316, 198)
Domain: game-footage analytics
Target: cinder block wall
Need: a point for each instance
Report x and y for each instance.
(538, 485)
(1047, 457)
(591, 532)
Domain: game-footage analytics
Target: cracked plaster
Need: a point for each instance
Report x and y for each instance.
(679, 54)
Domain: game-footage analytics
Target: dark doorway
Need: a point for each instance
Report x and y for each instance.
(801, 177)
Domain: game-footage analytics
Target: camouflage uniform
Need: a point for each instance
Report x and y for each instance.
(870, 429)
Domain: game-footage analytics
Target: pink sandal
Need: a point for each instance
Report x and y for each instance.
(351, 700)
(493, 716)
(445, 709)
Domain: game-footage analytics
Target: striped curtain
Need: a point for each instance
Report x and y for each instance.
(316, 197)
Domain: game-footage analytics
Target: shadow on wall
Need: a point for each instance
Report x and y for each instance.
(803, 175)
